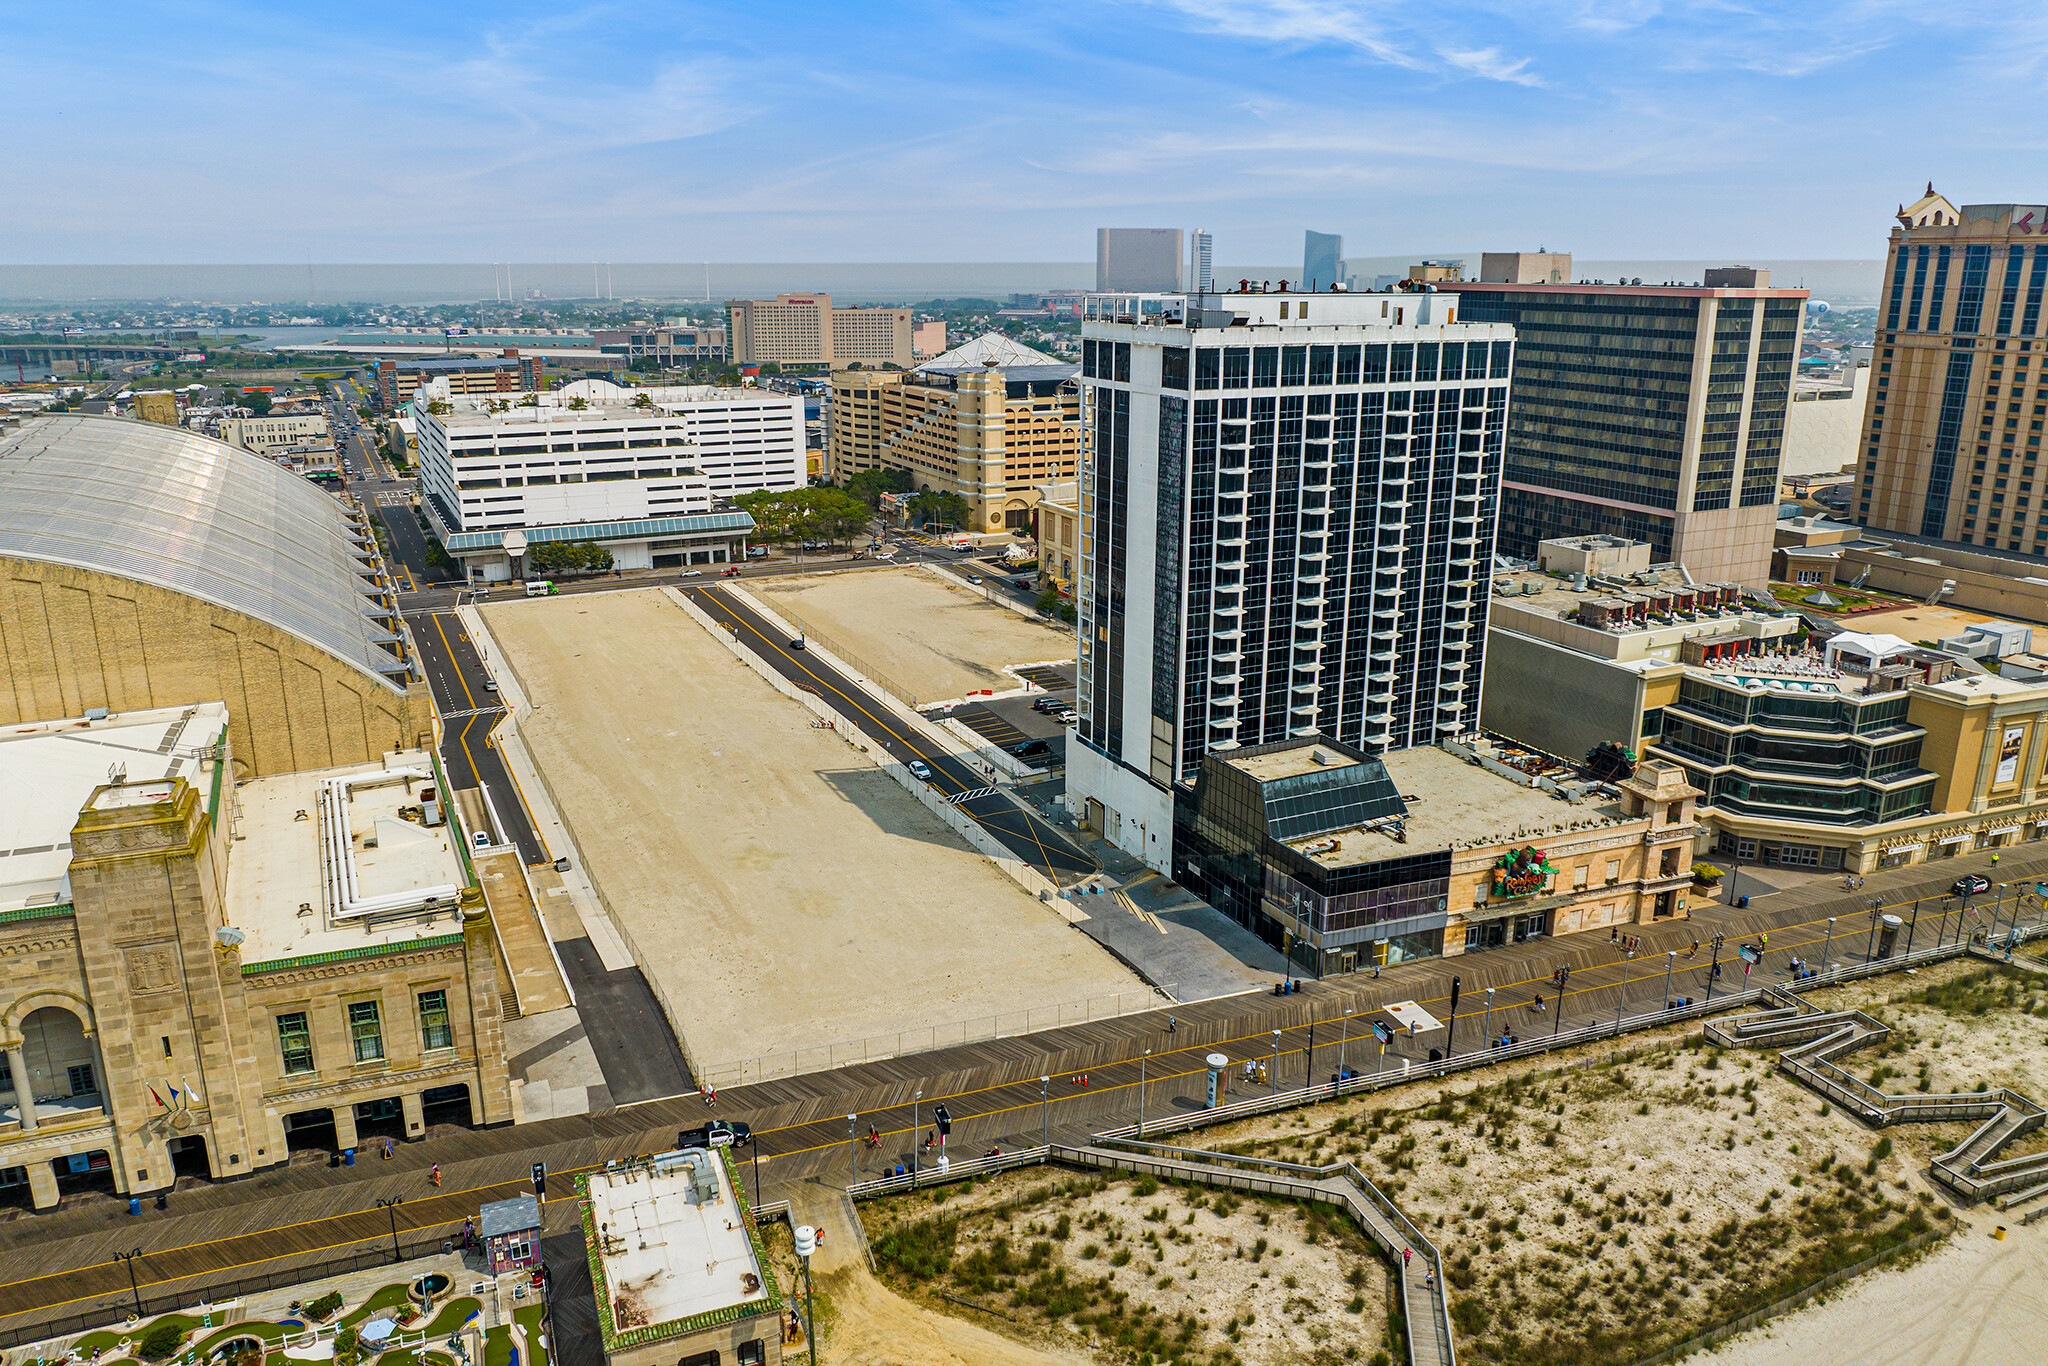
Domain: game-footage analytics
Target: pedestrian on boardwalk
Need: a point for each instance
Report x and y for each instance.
(435, 1175)
(1538, 1003)
(385, 1151)
(1429, 1281)
(1614, 935)
(1171, 1026)
(710, 1094)
(1407, 1255)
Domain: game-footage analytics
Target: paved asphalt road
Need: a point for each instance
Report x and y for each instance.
(802, 1132)
(1025, 835)
(625, 1027)
(628, 1032)
(456, 673)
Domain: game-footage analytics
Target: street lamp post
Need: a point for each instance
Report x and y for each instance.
(1141, 1091)
(1486, 1021)
(1870, 945)
(1563, 975)
(852, 1148)
(913, 1138)
(1828, 944)
(1714, 973)
(1275, 1087)
(1670, 961)
(1045, 1112)
(1342, 1039)
(1451, 1037)
(806, 1244)
(1913, 925)
(390, 1207)
(1621, 1000)
(129, 1258)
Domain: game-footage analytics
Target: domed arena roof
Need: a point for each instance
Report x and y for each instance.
(168, 507)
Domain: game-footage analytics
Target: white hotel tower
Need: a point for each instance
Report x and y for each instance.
(1288, 507)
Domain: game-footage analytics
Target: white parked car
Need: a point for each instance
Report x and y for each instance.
(691, 574)
(482, 839)
(919, 771)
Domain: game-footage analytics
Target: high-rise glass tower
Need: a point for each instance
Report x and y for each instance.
(1952, 424)
(1288, 506)
(1322, 260)
(1201, 268)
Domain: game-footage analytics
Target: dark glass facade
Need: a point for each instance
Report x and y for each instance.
(1322, 535)
(1603, 393)
(1826, 759)
(1229, 847)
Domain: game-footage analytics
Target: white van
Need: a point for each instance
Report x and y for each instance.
(539, 588)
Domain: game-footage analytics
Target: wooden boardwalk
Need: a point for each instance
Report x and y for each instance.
(1415, 1264)
(993, 1089)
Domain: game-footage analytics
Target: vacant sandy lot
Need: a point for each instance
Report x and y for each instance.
(922, 638)
(781, 891)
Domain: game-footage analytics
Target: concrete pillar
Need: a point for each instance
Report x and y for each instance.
(99, 1074)
(415, 1116)
(344, 1126)
(42, 1184)
(24, 1101)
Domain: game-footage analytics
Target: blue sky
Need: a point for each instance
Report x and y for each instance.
(996, 130)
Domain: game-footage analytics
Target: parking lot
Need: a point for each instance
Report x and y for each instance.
(1009, 722)
(914, 632)
(683, 775)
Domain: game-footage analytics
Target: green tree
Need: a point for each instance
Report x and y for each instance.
(1049, 600)
(557, 557)
(870, 485)
(256, 401)
(947, 509)
(163, 1338)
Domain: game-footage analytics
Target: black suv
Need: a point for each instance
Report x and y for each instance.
(716, 1133)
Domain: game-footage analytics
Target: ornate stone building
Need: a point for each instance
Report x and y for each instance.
(203, 975)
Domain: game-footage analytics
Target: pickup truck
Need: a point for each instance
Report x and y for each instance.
(717, 1133)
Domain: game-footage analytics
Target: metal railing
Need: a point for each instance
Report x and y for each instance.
(1816, 1039)
(1759, 1028)
(1361, 1199)
(120, 1307)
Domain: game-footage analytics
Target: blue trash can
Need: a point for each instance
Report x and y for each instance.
(348, 1157)
(1742, 902)
(135, 1204)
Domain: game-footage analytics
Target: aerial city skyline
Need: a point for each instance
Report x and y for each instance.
(716, 686)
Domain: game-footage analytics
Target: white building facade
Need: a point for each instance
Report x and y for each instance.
(627, 478)
(746, 439)
(1288, 513)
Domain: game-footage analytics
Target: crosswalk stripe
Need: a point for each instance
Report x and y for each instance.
(971, 793)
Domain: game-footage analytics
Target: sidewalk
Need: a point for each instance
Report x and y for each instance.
(572, 883)
(994, 1089)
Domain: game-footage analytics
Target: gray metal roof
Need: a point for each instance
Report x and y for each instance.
(516, 1215)
(182, 511)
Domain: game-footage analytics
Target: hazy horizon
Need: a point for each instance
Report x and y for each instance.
(1847, 282)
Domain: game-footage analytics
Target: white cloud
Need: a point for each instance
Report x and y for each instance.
(1298, 23)
(1489, 63)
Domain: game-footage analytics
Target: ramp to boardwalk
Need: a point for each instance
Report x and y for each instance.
(1422, 1278)
(1813, 1039)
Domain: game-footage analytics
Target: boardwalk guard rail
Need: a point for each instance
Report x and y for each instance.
(1813, 1039)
